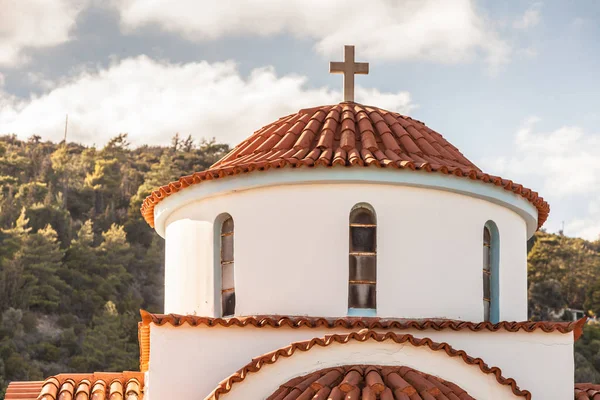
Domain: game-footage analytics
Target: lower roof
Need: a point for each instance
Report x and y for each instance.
(105, 384)
(587, 391)
(437, 324)
(295, 322)
(34, 390)
(97, 386)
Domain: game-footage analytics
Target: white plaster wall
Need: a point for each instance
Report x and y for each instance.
(188, 282)
(188, 362)
(261, 385)
(291, 251)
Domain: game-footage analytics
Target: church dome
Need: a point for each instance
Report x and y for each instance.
(346, 134)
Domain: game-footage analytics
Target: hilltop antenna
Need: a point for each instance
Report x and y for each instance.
(66, 125)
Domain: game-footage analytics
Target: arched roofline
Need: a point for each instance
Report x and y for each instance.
(364, 335)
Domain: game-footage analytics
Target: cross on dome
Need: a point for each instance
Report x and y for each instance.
(349, 68)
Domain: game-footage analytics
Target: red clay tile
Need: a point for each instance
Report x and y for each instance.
(280, 321)
(346, 134)
(587, 391)
(96, 386)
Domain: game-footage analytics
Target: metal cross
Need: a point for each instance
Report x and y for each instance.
(349, 68)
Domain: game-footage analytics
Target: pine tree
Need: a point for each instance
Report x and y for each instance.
(41, 258)
(107, 344)
(115, 258)
(13, 282)
(83, 274)
(570, 261)
(63, 167)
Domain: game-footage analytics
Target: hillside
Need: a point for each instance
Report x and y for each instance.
(77, 261)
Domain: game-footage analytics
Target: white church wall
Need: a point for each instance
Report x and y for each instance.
(540, 362)
(512, 270)
(468, 377)
(291, 250)
(189, 277)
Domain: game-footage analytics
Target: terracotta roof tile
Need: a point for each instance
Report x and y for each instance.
(346, 134)
(279, 321)
(96, 386)
(401, 380)
(587, 391)
(23, 390)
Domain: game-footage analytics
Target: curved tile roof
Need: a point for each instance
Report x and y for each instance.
(23, 390)
(297, 322)
(345, 134)
(270, 358)
(279, 321)
(369, 382)
(96, 386)
(587, 391)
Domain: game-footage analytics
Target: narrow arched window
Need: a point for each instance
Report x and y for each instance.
(490, 273)
(227, 264)
(362, 285)
(487, 273)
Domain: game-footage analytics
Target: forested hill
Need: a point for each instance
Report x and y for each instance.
(77, 261)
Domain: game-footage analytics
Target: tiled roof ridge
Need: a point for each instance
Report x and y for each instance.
(369, 382)
(587, 391)
(82, 386)
(295, 322)
(329, 136)
(272, 357)
(278, 321)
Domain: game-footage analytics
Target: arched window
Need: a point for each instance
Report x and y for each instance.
(362, 285)
(227, 275)
(490, 272)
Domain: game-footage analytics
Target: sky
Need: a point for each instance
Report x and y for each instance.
(514, 85)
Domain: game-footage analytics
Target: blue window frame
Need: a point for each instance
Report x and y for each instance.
(491, 263)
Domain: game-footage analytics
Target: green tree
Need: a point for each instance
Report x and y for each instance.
(41, 259)
(570, 261)
(107, 344)
(587, 355)
(82, 272)
(63, 165)
(545, 300)
(13, 281)
(592, 302)
(115, 258)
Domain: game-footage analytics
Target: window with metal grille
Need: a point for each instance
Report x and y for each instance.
(227, 275)
(362, 285)
(487, 273)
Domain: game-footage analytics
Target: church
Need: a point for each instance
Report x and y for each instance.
(342, 252)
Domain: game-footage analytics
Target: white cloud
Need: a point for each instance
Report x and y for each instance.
(588, 227)
(563, 165)
(530, 18)
(33, 24)
(450, 31)
(152, 100)
(528, 52)
(39, 80)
